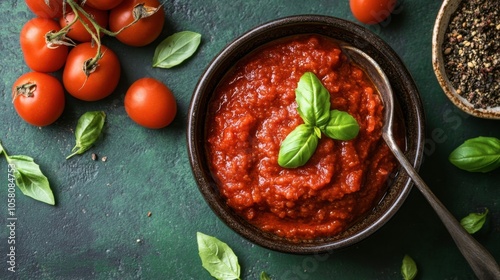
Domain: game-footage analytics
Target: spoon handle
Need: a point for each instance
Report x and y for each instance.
(480, 260)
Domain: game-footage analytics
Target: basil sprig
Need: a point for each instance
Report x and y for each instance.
(473, 222)
(87, 131)
(29, 178)
(313, 101)
(408, 268)
(480, 154)
(218, 258)
(176, 48)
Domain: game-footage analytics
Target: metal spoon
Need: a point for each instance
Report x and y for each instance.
(480, 260)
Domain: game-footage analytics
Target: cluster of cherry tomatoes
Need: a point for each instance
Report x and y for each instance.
(66, 35)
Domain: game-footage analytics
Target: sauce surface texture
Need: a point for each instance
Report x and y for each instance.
(254, 109)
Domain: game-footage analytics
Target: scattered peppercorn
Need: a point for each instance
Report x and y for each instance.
(104, 158)
(472, 52)
(94, 157)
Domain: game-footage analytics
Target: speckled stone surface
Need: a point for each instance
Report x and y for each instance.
(100, 229)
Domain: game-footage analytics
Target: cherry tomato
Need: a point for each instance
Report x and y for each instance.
(77, 31)
(101, 80)
(143, 32)
(103, 4)
(38, 98)
(150, 103)
(37, 55)
(40, 8)
(372, 11)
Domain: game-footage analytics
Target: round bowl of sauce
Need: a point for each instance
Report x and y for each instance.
(244, 106)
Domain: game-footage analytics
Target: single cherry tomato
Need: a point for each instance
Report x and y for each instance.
(143, 32)
(150, 103)
(99, 79)
(38, 98)
(372, 11)
(103, 4)
(78, 31)
(52, 9)
(38, 54)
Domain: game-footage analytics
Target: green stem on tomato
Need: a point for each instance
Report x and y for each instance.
(77, 9)
(140, 11)
(90, 64)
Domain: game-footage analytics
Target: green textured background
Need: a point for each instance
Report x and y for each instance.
(102, 207)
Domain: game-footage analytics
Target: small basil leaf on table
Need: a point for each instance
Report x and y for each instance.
(480, 154)
(298, 146)
(264, 276)
(29, 178)
(408, 268)
(473, 222)
(341, 126)
(176, 48)
(313, 100)
(87, 131)
(217, 258)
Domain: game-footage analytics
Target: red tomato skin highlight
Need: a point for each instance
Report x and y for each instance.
(100, 83)
(150, 103)
(47, 103)
(372, 11)
(142, 32)
(39, 8)
(103, 4)
(37, 55)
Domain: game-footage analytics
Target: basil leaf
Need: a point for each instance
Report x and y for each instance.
(313, 100)
(217, 257)
(341, 126)
(176, 48)
(473, 222)
(264, 276)
(481, 154)
(298, 146)
(29, 178)
(87, 131)
(408, 268)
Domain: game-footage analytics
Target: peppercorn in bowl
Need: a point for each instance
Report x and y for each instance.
(466, 55)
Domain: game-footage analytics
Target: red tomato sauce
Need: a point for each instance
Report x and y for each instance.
(252, 112)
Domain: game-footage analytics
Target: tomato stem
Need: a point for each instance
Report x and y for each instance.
(77, 9)
(26, 89)
(140, 11)
(90, 65)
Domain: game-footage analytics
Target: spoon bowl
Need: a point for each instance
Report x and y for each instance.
(481, 261)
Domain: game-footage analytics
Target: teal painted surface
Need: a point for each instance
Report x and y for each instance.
(101, 211)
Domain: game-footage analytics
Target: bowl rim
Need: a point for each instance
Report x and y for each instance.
(204, 180)
(448, 7)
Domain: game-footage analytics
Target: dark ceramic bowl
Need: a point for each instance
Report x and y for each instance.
(406, 94)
